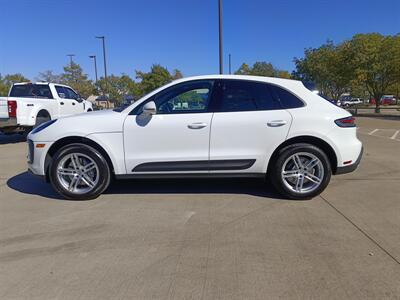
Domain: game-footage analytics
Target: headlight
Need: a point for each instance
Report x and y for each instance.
(43, 126)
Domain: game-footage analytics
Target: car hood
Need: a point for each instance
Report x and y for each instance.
(82, 125)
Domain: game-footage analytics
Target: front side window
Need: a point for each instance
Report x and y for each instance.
(31, 91)
(71, 94)
(61, 91)
(187, 97)
(241, 95)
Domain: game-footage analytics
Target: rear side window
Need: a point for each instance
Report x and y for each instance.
(241, 95)
(286, 99)
(31, 91)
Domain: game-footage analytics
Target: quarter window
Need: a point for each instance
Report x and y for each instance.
(287, 99)
(240, 95)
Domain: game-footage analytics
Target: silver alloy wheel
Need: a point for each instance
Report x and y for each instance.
(78, 173)
(302, 172)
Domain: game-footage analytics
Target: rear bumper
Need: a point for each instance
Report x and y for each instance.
(350, 168)
(8, 122)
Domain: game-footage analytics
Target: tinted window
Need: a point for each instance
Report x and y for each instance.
(238, 95)
(190, 97)
(61, 92)
(287, 99)
(31, 91)
(71, 94)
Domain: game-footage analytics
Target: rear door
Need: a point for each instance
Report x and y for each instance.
(248, 125)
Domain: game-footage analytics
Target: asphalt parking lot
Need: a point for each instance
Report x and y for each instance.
(219, 239)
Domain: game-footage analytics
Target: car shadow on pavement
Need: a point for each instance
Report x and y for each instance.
(253, 187)
(29, 184)
(11, 139)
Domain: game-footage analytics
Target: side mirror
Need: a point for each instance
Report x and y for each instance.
(80, 99)
(149, 108)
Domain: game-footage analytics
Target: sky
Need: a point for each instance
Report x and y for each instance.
(36, 35)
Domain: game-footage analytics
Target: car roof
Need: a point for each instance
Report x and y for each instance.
(39, 83)
(273, 80)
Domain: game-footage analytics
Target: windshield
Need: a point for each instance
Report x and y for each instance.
(31, 91)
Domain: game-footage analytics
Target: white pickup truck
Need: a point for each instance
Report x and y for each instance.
(30, 104)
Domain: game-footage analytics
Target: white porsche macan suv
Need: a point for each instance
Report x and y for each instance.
(206, 126)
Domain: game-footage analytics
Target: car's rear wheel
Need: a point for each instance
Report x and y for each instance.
(301, 171)
(79, 172)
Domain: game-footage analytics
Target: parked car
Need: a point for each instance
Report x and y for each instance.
(351, 102)
(385, 100)
(388, 100)
(207, 126)
(30, 104)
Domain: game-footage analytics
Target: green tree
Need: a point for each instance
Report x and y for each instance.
(49, 76)
(327, 66)
(117, 87)
(74, 77)
(157, 77)
(262, 68)
(376, 63)
(7, 81)
(244, 70)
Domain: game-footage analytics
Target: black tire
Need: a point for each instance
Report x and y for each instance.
(96, 156)
(275, 173)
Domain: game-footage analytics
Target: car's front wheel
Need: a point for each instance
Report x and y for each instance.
(79, 172)
(301, 171)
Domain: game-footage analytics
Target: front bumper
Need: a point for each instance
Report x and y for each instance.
(352, 167)
(37, 157)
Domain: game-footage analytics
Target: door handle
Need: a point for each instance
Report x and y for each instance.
(197, 125)
(73, 103)
(276, 123)
(62, 103)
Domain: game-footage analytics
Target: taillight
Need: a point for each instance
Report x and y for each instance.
(346, 122)
(12, 109)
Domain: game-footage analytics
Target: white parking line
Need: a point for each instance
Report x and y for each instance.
(395, 135)
(373, 131)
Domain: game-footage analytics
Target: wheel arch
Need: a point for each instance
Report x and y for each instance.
(43, 113)
(74, 140)
(318, 142)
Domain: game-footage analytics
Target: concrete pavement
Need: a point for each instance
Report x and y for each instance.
(219, 239)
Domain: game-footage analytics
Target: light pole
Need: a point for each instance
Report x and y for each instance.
(70, 59)
(230, 69)
(95, 65)
(104, 55)
(105, 64)
(221, 68)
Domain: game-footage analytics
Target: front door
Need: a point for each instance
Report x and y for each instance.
(176, 138)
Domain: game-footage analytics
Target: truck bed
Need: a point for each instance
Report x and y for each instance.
(3, 108)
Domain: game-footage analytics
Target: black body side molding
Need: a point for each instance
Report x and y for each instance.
(198, 165)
